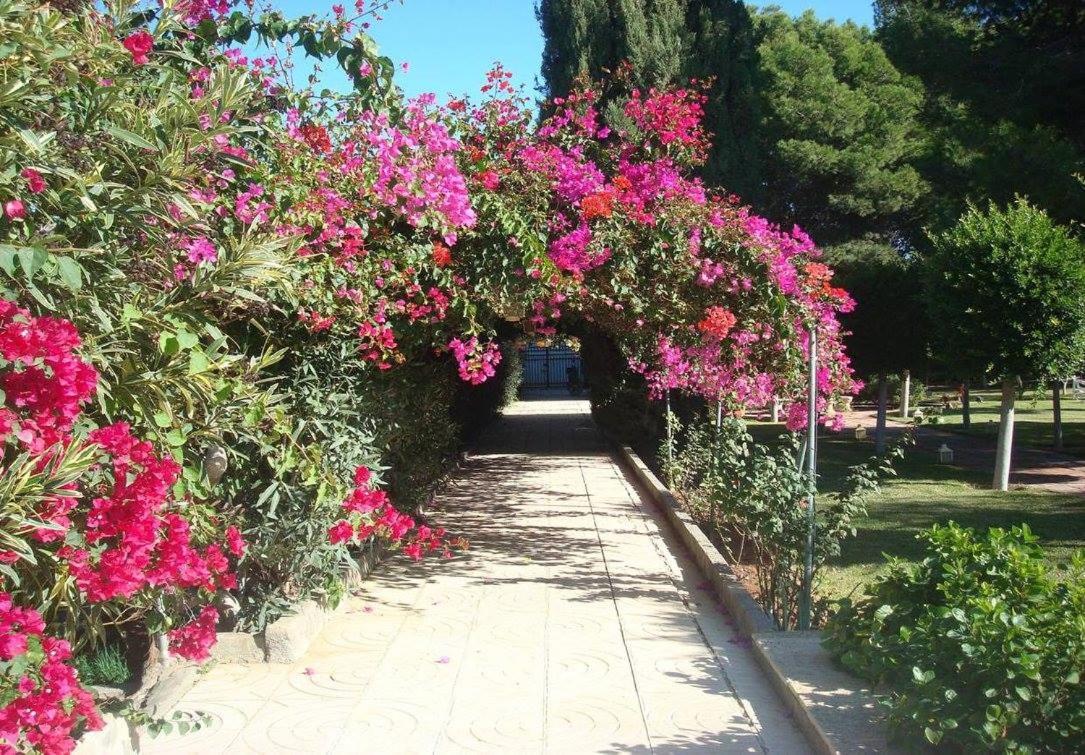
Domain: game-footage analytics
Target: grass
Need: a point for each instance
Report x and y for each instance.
(1033, 420)
(924, 493)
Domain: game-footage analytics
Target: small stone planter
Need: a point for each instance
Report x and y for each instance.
(116, 737)
(285, 640)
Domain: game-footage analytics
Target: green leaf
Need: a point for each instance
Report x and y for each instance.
(127, 136)
(31, 259)
(197, 363)
(167, 344)
(71, 273)
(186, 339)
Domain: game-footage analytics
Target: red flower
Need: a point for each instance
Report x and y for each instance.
(489, 179)
(234, 541)
(340, 532)
(362, 475)
(34, 181)
(599, 205)
(139, 44)
(195, 639)
(316, 137)
(442, 255)
(717, 323)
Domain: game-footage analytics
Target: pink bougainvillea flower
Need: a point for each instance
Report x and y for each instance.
(34, 181)
(194, 640)
(234, 541)
(139, 44)
(341, 532)
(15, 209)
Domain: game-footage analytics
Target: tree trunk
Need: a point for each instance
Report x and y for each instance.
(905, 393)
(1005, 434)
(1056, 409)
(883, 405)
(966, 405)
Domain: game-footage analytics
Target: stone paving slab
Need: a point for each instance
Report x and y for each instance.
(573, 625)
(842, 709)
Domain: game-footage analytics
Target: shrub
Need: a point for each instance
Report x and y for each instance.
(981, 648)
(105, 666)
(752, 498)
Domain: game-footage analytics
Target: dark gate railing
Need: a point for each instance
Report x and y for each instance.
(551, 367)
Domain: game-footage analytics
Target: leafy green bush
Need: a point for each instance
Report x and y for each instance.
(980, 646)
(751, 497)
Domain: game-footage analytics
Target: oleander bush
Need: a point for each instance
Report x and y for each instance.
(980, 648)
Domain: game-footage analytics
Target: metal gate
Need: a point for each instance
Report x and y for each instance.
(551, 367)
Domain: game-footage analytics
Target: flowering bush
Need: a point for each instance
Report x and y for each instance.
(304, 285)
(41, 701)
(86, 544)
(751, 497)
(370, 513)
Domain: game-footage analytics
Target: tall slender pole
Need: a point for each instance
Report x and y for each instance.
(670, 443)
(719, 435)
(806, 598)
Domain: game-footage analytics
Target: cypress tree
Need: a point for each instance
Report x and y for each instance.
(666, 42)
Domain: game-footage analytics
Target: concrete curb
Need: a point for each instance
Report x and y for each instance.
(835, 711)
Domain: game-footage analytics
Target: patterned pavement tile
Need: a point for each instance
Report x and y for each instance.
(573, 625)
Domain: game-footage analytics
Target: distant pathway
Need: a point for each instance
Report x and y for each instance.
(1032, 467)
(573, 625)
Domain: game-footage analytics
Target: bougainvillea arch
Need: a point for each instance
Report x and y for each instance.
(237, 221)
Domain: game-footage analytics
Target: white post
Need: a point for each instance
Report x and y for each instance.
(1056, 413)
(670, 443)
(1005, 434)
(806, 597)
(775, 409)
(905, 393)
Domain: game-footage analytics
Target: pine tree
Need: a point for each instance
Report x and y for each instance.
(577, 41)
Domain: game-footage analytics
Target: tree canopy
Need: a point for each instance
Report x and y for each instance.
(838, 128)
(1005, 288)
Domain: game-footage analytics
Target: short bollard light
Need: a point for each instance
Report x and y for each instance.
(945, 454)
(860, 432)
(214, 463)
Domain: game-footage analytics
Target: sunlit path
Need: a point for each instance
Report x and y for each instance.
(572, 625)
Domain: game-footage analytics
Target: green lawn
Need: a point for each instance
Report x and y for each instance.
(924, 493)
(1033, 420)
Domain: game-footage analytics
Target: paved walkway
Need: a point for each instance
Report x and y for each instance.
(573, 625)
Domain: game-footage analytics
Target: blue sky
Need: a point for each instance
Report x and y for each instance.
(450, 44)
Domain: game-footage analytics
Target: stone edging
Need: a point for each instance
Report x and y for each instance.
(842, 721)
